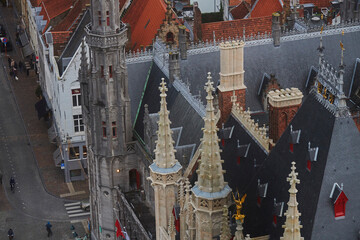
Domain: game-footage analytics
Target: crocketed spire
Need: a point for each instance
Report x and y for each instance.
(292, 225)
(210, 172)
(164, 151)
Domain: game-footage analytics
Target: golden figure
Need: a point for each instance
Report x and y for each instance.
(239, 202)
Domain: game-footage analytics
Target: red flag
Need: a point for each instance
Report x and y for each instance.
(118, 229)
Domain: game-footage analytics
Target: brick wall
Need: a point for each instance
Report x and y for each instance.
(225, 103)
(279, 119)
(226, 29)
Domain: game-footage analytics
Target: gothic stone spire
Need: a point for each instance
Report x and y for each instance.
(210, 172)
(164, 152)
(292, 224)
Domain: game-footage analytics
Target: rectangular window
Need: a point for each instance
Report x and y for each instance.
(110, 71)
(102, 71)
(104, 129)
(107, 18)
(78, 123)
(76, 97)
(114, 133)
(99, 13)
(84, 152)
(74, 152)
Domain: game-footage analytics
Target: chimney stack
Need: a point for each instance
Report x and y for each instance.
(283, 105)
(232, 87)
(174, 66)
(276, 28)
(182, 42)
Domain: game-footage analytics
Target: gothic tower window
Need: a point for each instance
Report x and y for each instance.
(99, 15)
(107, 18)
(110, 71)
(102, 71)
(104, 129)
(114, 130)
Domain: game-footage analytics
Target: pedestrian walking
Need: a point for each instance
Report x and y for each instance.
(48, 229)
(15, 64)
(20, 66)
(10, 234)
(12, 64)
(9, 61)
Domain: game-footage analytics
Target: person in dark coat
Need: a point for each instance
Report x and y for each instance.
(48, 229)
(10, 234)
(15, 64)
(20, 66)
(9, 61)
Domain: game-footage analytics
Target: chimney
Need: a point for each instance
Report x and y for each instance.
(182, 42)
(174, 66)
(283, 105)
(276, 28)
(232, 87)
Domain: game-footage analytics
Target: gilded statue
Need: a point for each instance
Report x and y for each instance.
(238, 203)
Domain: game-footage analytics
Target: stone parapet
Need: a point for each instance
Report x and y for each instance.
(258, 133)
(285, 97)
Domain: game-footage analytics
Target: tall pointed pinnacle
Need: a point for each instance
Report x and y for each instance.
(342, 97)
(321, 48)
(292, 224)
(225, 228)
(210, 172)
(164, 151)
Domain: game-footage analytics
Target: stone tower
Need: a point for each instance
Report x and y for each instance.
(292, 223)
(107, 114)
(210, 193)
(231, 77)
(165, 171)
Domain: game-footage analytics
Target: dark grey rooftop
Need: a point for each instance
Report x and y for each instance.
(291, 63)
(337, 161)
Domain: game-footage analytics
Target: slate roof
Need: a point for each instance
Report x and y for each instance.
(337, 156)
(144, 18)
(182, 114)
(291, 63)
(354, 92)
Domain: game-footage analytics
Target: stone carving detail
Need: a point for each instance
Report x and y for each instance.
(204, 203)
(259, 133)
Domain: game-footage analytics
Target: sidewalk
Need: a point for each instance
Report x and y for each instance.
(24, 91)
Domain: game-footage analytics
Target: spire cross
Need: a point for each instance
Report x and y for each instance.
(292, 179)
(163, 89)
(209, 87)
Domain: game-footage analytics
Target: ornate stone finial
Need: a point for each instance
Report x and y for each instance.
(210, 172)
(164, 152)
(292, 224)
(225, 228)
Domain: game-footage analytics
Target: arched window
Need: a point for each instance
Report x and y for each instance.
(169, 37)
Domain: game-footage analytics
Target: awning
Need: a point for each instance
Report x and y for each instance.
(24, 39)
(52, 133)
(57, 157)
(27, 50)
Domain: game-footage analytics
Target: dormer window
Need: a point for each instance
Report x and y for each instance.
(338, 199)
(261, 192)
(294, 138)
(277, 211)
(225, 134)
(241, 151)
(311, 156)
